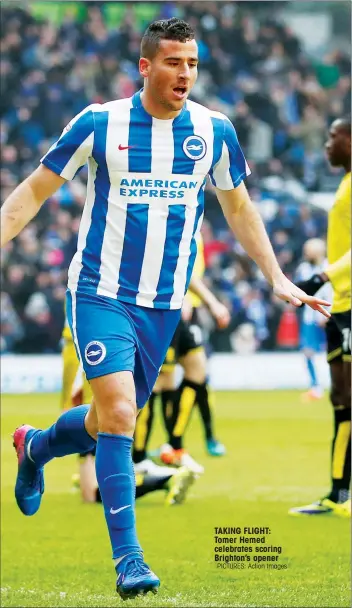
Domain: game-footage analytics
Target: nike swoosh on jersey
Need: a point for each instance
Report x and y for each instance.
(114, 511)
(125, 147)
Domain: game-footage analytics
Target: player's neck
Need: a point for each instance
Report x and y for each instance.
(347, 166)
(155, 109)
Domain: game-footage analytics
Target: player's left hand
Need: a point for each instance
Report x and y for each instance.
(288, 292)
(221, 314)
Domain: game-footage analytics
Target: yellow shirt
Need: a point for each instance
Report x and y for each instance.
(339, 243)
(198, 271)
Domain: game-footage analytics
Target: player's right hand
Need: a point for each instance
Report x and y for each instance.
(288, 292)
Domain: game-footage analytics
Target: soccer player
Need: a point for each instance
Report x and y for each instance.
(148, 159)
(338, 327)
(311, 330)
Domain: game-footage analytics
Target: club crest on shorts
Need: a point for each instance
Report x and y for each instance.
(194, 147)
(94, 352)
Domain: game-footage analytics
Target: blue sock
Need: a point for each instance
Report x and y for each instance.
(312, 372)
(67, 435)
(115, 475)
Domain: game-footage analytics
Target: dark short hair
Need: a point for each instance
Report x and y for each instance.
(165, 29)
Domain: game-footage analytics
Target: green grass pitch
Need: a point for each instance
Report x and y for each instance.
(278, 457)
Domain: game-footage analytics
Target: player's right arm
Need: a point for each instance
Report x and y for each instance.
(61, 163)
(24, 202)
(246, 223)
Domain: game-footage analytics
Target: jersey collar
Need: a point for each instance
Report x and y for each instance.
(137, 103)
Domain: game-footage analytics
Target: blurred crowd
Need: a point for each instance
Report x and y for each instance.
(279, 98)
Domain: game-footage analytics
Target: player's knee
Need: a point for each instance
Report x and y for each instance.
(119, 417)
(91, 421)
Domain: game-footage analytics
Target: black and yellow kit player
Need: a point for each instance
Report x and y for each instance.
(338, 327)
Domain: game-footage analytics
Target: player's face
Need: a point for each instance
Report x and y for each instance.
(338, 145)
(171, 73)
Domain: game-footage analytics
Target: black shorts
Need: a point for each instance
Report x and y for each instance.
(338, 336)
(188, 336)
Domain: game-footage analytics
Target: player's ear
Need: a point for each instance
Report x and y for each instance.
(144, 67)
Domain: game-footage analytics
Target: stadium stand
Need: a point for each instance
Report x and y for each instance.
(255, 69)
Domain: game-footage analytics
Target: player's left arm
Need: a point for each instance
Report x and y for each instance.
(248, 227)
(218, 310)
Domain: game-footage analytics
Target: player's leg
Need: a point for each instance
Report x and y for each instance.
(184, 398)
(118, 347)
(74, 432)
(113, 412)
(149, 477)
(117, 398)
(174, 481)
(70, 366)
(142, 432)
(86, 479)
(194, 366)
(183, 403)
(309, 345)
(336, 502)
(167, 383)
(341, 453)
(341, 444)
(205, 397)
(194, 389)
(205, 403)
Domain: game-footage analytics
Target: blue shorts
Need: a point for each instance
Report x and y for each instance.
(114, 336)
(312, 337)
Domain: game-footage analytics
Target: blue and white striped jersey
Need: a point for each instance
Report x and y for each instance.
(145, 195)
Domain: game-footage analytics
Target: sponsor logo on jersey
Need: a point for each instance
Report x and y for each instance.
(142, 189)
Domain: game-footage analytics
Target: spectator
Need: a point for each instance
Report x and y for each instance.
(254, 69)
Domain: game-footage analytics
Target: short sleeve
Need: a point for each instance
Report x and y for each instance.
(231, 168)
(74, 147)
